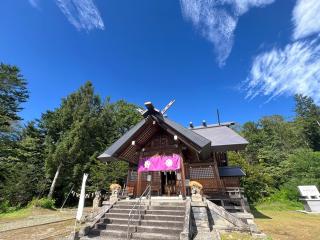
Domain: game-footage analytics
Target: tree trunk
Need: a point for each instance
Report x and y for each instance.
(53, 184)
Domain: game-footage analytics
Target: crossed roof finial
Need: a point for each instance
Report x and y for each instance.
(152, 110)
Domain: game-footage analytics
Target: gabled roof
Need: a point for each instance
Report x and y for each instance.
(189, 134)
(222, 138)
(110, 151)
(198, 142)
(201, 139)
(231, 172)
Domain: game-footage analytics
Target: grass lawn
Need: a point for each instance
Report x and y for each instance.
(281, 221)
(289, 225)
(283, 225)
(21, 213)
(236, 236)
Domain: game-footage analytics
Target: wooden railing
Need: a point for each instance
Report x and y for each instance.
(235, 192)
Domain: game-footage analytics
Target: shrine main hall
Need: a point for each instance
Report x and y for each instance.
(167, 156)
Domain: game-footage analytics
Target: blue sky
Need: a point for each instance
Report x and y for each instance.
(245, 57)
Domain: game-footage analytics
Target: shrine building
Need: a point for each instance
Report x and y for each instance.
(167, 155)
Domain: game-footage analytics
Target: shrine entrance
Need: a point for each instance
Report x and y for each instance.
(169, 183)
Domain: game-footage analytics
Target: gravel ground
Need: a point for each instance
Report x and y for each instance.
(40, 224)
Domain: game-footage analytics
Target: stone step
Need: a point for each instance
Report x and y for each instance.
(115, 227)
(117, 215)
(165, 212)
(127, 211)
(153, 236)
(169, 208)
(148, 229)
(159, 223)
(152, 229)
(170, 221)
(168, 204)
(127, 206)
(129, 202)
(122, 235)
(161, 220)
(107, 234)
(163, 217)
(119, 221)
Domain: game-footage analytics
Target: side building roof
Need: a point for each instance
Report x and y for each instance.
(222, 138)
(231, 172)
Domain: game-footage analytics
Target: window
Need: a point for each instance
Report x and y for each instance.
(201, 172)
(133, 176)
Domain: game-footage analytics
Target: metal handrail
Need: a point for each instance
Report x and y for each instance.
(137, 208)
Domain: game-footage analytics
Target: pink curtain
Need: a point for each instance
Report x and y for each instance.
(159, 163)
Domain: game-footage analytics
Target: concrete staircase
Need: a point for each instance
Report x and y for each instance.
(163, 219)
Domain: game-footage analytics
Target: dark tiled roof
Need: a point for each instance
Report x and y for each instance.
(214, 125)
(222, 138)
(231, 172)
(201, 141)
(110, 151)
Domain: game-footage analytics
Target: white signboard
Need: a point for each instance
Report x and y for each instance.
(306, 191)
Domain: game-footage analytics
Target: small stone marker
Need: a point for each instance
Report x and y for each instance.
(310, 197)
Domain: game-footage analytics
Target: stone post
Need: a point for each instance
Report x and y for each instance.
(196, 188)
(97, 201)
(115, 189)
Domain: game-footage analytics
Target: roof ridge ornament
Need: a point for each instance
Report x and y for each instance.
(151, 110)
(166, 108)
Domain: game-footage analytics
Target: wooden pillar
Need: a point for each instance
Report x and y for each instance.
(183, 176)
(217, 175)
(128, 176)
(139, 184)
(139, 177)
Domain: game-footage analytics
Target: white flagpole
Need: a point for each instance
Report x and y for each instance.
(81, 199)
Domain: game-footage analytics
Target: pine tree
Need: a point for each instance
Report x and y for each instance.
(13, 92)
(77, 132)
(308, 119)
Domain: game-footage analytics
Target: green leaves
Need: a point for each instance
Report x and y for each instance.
(79, 130)
(13, 92)
(308, 116)
(282, 154)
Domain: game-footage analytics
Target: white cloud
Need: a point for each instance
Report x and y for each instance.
(292, 70)
(83, 14)
(34, 3)
(306, 18)
(217, 20)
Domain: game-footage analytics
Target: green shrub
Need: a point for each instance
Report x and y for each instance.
(280, 200)
(43, 203)
(4, 206)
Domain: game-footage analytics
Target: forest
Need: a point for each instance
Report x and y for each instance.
(46, 157)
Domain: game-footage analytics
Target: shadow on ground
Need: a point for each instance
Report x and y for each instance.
(257, 214)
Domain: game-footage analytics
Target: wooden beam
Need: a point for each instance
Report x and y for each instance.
(217, 175)
(139, 178)
(183, 176)
(139, 184)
